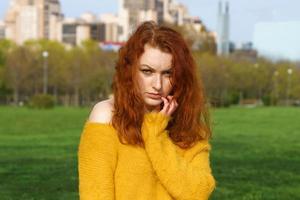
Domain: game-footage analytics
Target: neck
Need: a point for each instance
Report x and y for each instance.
(152, 109)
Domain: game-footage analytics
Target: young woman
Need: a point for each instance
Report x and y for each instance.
(151, 140)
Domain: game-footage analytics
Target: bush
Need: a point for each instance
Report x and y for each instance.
(234, 97)
(218, 102)
(41, 101)
(267, 100)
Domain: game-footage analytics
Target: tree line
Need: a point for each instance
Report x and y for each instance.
(82, 75)
(75, 76)
(230, 80)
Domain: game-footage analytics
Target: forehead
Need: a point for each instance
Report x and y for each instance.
(156, 58)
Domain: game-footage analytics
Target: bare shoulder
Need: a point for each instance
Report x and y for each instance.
(102, 111)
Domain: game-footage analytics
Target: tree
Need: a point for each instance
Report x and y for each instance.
(17, 72)
(5, 47)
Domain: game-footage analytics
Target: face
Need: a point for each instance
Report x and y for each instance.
(154, 76)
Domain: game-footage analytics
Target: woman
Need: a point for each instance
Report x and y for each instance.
(150, 141)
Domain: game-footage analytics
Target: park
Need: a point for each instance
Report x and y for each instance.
(254, 156)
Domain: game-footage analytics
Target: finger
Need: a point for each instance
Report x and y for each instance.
(166, 105)
(174, 100)
(171, 108)
(175, 105)
(165, 100)
(170, 97)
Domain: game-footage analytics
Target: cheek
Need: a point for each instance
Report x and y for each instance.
(141, 82)
(167, 86)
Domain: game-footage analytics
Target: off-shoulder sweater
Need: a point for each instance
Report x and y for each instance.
(110, 170)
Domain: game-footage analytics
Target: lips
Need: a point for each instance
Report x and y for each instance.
(153, 96)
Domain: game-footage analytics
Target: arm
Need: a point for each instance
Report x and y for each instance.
(183, 179)
(97, 157)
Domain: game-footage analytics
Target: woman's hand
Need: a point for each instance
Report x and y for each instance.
(169, 106)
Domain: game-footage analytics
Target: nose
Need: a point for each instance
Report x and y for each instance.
(157, 83)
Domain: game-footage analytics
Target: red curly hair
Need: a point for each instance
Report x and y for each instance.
(190, 121)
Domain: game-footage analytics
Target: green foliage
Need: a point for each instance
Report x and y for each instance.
(76, 76)
(4, 92)
(234, 98)
(83, 75)
(227, 79)
(5, 47)
(41, 101)
(267, 100)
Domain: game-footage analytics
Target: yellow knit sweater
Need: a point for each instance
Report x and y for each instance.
(109, 170)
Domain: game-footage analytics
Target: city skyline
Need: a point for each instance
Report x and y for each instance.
(244, 14)
(37, 19)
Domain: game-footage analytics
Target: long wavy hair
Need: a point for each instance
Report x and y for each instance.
(190, 121)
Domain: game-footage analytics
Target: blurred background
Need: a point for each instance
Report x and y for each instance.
(57, 60)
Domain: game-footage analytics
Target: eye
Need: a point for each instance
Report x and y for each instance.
(146, 71)
(168, 73)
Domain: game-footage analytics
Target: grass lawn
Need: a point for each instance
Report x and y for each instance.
(255, 153)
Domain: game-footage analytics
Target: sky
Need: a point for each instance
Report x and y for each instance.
(285, 46)
(244, 14)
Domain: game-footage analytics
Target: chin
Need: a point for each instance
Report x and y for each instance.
(153, 102)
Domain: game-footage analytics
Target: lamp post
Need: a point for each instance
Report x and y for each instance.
(256, 73)
(45, 72)
(276, 73)
(290, 72)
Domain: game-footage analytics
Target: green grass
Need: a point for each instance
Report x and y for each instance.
(38, 153)
(255, 153)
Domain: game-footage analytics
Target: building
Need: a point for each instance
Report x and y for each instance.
(75, 31)
(243, 52)
(72, 30)
(42, 19)
(33, 19)
(111, 27)
(223, 43)
(131, 13)
(88, 26)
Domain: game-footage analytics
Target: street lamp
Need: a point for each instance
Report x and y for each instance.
(45, 72)
(290, 72)
(256, 73)
(276, 73)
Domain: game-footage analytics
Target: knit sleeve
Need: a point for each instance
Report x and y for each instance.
(183, 179)
(97, 157)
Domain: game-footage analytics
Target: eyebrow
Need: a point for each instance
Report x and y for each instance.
(170, 69)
